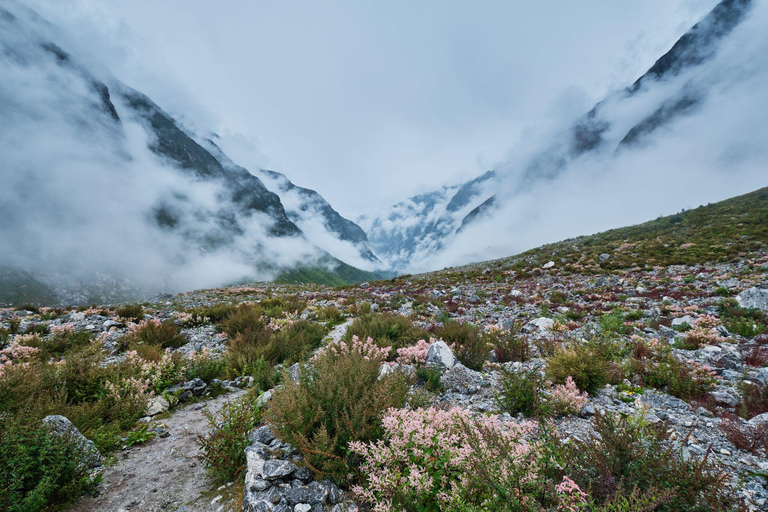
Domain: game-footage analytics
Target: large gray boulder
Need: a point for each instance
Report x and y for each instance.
(753, 298)
(440, 356)
(61, 426)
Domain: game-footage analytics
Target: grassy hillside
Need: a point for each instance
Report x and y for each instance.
(336, 274)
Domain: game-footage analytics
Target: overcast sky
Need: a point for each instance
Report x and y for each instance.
(370, 102)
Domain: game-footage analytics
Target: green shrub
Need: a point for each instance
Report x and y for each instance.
(156, 333)
(469, 344)
(330, 314)
(291, 344)
(626, 453)
(132, 312)
(387, 330)
(223, 449)
(431, 379)
(614, 323)
(336, 399)
(586, 366)
(216, 313)
(519, 392)
(245, 320)
(508, 347)
(38, 469)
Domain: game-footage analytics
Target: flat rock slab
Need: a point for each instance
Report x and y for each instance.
(162, 474)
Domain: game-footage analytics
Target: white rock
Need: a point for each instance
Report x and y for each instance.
(687, 319)
(156, 405)
(539, 325)
(548, 264)
(440, 356)
(753, 298)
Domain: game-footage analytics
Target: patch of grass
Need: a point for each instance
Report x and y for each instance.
(519, 392)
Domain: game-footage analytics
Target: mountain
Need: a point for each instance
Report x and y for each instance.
(107, 196)
(320, 223)
(420, 224)
(627, 122)
(604, 127)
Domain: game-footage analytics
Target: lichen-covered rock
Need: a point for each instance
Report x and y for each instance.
(440, 356)
(61, 426)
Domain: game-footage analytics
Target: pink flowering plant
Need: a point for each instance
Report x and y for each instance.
(416, 354)
(566, 398)
(434, 459)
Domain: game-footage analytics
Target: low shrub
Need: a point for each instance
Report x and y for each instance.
(754, 400)
(336, 398)
(431, 379)
(155, 333)
(245, 320)
(508, 347)
(387, 330)
(519, 392)
(587, 368)
(330, 314)
(751, 438)
(433, 459)
(469, 344)
(38, 469)
(626, 453)
(223, 448)
(131, 312)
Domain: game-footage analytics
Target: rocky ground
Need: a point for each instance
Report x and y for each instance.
(546, 304)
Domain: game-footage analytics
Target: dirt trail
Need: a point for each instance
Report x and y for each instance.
(163, 474)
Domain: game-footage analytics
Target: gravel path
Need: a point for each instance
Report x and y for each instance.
(163, 474)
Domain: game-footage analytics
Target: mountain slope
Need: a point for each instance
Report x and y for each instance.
(729, 230)
(106, 195)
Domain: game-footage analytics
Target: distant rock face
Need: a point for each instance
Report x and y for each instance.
(420, 225)
(61, 426)
(753, 298)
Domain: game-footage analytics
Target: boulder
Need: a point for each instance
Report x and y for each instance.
(541, 324)
(461, 379)
(62, 427)
(753, 298)
(440, 356)
(157, 405)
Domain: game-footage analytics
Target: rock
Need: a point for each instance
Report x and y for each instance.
(548, 264)
(461, 379)
(261, 434)
(156, 405)
(724, 398)
(387, 369)
(312, 494)
(760, 419)
(61, 426)
(753, 298)
(264, 398)
(679, 322)
(109, 324)
(302, 507)
(587, 411)
(541, 324)
(440, 356)
(603, 257)
(274, 469)
(363, 286)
